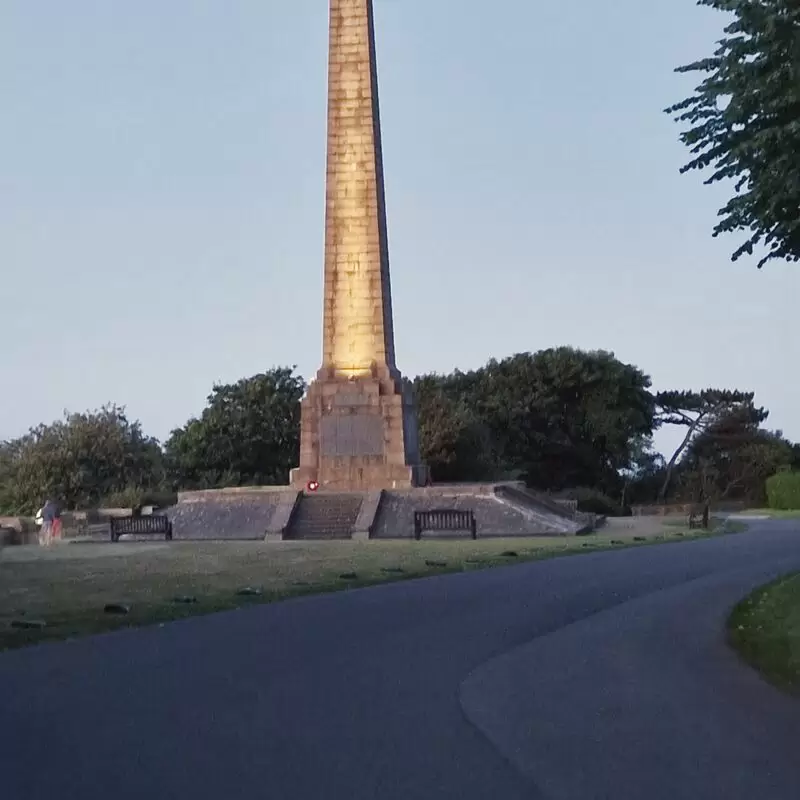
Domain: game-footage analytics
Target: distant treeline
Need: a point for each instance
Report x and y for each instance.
(563, 420)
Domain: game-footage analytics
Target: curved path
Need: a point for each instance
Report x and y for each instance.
(598, 676)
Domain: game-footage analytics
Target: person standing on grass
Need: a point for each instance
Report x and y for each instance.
(49, 514)
(57, 523)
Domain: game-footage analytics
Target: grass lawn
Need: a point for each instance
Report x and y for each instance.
(68, 586)
(765, 629)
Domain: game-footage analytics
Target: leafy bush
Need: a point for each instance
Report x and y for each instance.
(78, 460)
(136, 498)
(783, 491)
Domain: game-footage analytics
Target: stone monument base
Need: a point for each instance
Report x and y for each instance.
(356, 475)
(285, 513)
(359, 433)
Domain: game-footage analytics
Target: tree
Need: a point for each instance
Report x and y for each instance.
(744, 123)
(563, 417)
(645, 467)
(6, 478)
(248, 434)
(734, 456)
(79, 461)
(454, 443)
(695, 411)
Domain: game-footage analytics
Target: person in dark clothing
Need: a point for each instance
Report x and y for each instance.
(51, 523)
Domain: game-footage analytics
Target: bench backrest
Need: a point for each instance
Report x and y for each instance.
(153, 523)
(700, 511)
(444, 519)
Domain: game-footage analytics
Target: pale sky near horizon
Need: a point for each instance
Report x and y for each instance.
(162, 196)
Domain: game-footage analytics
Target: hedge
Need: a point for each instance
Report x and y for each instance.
(783, 491)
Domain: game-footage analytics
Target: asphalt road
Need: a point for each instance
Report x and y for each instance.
(598, 676)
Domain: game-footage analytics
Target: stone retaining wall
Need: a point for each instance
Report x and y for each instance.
(395, 518)
(232, 514)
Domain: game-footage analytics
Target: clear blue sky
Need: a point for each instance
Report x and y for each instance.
(161, 199)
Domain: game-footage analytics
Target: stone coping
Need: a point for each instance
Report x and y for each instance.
(235, 491)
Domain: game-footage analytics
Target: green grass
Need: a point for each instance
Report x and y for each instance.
(765, 629)
(68, 586)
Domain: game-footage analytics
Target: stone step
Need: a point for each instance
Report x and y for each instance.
(325, 516)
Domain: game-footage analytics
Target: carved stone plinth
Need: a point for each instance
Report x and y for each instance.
(358, 433)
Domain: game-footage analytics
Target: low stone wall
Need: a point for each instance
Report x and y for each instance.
(10, 536)
(205, 495)
(541, 508)
(20, 524)
(249, 513)
(671, 509)
(91, 524)
(18, 530)
(494, 516)
(661, 510)
(368, 514)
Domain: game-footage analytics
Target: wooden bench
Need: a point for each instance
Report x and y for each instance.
(698, 516)
(444, 519)
(150, 525)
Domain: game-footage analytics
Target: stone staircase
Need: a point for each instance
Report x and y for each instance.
(325, 516)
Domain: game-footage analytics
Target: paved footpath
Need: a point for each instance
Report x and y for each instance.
(598, 676)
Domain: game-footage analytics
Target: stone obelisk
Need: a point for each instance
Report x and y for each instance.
(358, 420)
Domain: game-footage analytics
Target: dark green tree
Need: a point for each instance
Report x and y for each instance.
(743, 123)
(641, 476)
(248, 434)
(6, 478)
(563, 417)
(454, 442)
(733, 457)
(79, 461)
(695, 411)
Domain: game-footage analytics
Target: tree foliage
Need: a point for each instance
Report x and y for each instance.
(80, 460)
(734, 456)
(248, 434)
(696, 411)
(557, 418)
(566, 417)
(643, 475)
(454, 442)
(576, 423)
(743, 123)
